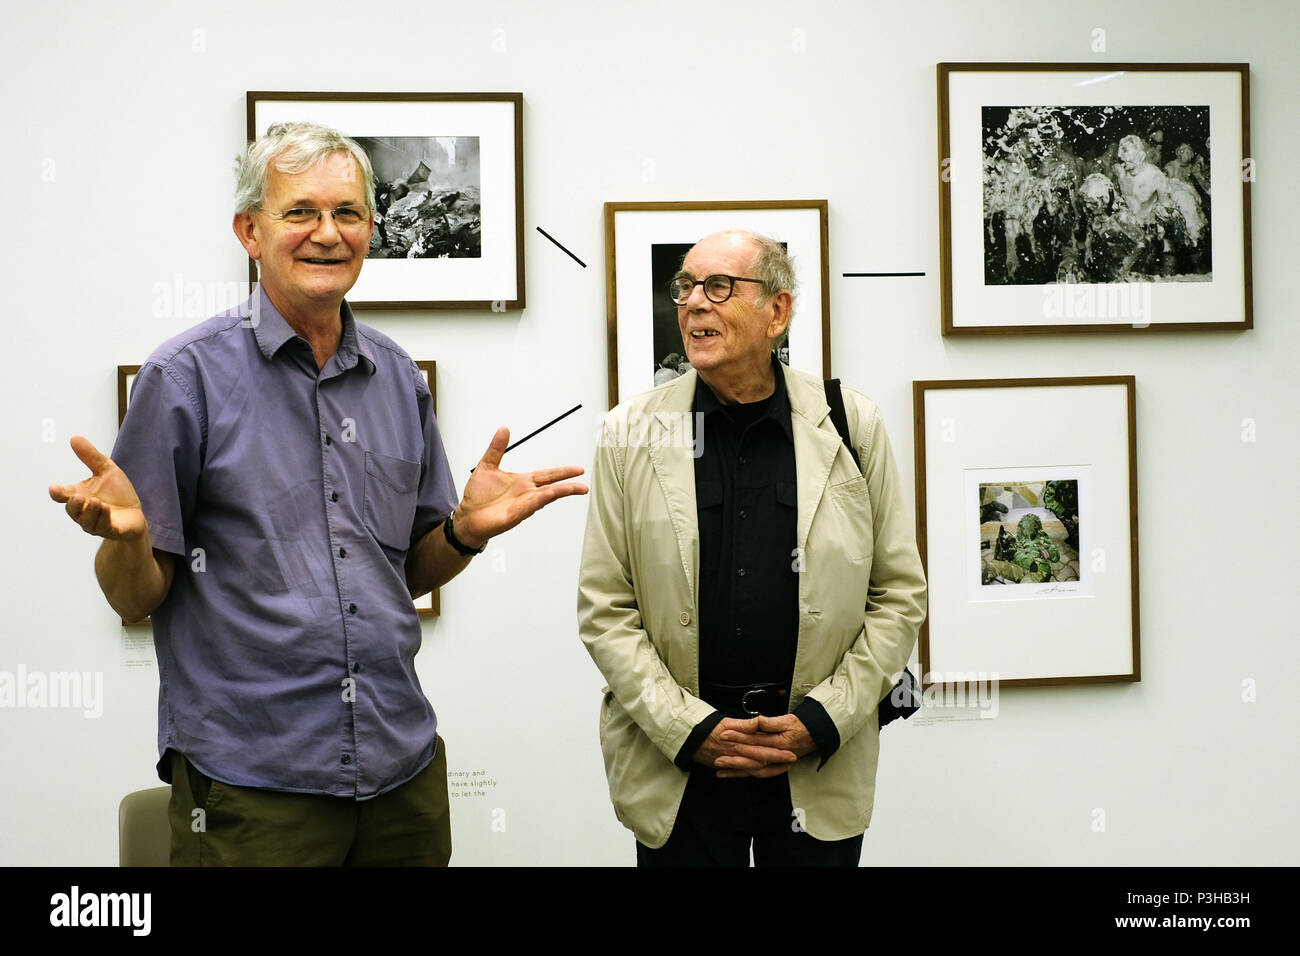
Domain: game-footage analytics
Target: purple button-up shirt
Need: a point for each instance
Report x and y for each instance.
(289, 496)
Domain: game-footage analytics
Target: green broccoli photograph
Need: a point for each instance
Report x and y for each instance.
(1029, 532)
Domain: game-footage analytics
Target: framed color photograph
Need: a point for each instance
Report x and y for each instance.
(449, 192)
(1094, 197)
(428, 604)
(1026, 494)
(645, 243)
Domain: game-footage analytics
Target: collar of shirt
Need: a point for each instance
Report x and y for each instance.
(778, 405)
(272, 332)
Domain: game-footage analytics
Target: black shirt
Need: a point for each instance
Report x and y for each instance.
(747, 505)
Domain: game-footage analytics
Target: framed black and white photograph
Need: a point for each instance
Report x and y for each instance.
(1026, 494)
(1088, 198)
(448, 192)
(645, 243)
(427, 605)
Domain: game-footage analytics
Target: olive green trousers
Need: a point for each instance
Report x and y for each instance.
(218, 824)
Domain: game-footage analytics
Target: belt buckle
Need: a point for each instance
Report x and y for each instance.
(744, 701)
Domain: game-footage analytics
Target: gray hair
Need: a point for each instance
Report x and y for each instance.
(773, 266)
(293, 148)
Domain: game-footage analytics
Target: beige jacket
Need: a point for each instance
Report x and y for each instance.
(861, 600)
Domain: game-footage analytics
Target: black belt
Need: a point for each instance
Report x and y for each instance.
(749, 700)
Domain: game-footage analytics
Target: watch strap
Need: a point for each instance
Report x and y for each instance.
(449, 532)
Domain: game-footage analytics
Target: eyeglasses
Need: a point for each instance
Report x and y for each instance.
(718, 288)
(345, 217)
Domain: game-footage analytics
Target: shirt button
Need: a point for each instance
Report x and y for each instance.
(685, 618)
(328, 440)
(744, 460)
(343, 552)
(334, 496)
(352, 609)
(744, 513)
(347, 758)
(740, 573)
(740, 632)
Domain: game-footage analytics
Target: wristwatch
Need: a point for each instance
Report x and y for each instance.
(449, 533)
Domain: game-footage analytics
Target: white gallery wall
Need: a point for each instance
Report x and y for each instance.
(120, 125)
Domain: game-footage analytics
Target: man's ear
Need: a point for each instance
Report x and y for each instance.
(246, 232)
(782, 304)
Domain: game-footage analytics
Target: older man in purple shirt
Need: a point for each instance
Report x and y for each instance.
(277, 494)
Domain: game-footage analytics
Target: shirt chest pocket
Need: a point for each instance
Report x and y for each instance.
(392, 486)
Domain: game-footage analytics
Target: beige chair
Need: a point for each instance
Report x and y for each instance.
(143, 834)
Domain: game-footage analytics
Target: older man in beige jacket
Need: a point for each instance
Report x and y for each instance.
(789, 762)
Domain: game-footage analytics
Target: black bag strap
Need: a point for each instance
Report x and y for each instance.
(835, 399)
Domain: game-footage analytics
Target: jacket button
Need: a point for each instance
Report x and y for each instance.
(685, 618)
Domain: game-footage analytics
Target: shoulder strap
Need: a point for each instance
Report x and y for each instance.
(835, 399)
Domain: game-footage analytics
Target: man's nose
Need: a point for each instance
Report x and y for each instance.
(327, 231)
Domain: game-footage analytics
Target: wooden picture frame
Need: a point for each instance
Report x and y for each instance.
(1026, 500)
(430, 605)
(644, 244)
(449, 174)
(125, 379)
(1051, 220)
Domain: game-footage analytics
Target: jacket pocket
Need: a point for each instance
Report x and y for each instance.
(390, 495)
(856, 531)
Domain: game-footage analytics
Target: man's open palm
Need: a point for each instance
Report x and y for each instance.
(496, 500)
(105, 504)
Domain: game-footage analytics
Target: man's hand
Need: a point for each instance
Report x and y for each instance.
(105, 504)
(495, 500)
(748, 748)
(762, 746)
(133, 576)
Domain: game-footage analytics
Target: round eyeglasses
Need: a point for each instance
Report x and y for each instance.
(718, 288)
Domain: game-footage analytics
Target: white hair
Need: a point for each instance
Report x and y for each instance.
(293, 148)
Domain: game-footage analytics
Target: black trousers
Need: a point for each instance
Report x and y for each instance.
(720, 818)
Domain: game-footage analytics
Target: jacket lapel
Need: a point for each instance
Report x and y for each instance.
(669, 431)
(669, 436)
(815, 447)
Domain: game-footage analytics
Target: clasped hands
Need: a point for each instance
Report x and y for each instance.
(757, 747)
